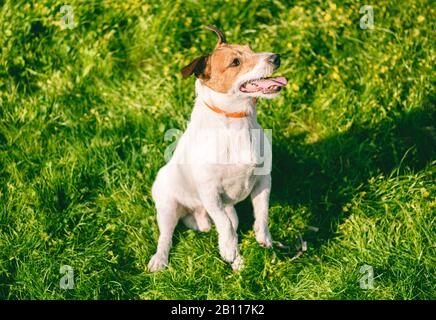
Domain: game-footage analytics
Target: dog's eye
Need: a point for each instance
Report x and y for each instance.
(235, 62)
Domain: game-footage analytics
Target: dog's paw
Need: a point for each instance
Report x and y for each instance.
(198, 221)
(229, 249)
(204, 226)
(157, 263)
(203, 221)
(263, 237)
(238, 264)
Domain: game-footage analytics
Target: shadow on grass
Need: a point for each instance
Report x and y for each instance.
(325, 175)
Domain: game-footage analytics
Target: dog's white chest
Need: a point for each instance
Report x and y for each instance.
(237, 182)
(226, 158)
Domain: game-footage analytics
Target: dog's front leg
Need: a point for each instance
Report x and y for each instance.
(260, 200)
(227, 236)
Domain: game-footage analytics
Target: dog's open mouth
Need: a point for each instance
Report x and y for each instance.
(264, 85)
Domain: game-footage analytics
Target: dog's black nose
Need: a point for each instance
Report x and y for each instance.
(275, 59)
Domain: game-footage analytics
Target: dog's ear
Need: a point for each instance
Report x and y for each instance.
(196, 67)
(219, 33)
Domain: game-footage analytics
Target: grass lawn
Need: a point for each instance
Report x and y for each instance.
(84, 111)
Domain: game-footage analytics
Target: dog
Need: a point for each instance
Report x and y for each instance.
(216, 162)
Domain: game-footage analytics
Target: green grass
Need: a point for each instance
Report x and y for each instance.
(83, 114)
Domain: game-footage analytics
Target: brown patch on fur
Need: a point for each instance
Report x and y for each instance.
(197, 67)
(221, 75)
(218, 70)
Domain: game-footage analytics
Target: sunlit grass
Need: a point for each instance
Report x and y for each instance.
(83, 114)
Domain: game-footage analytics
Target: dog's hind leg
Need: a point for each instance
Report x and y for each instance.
(198, 220)
(168, 214)
(260, 200)
(190, 222)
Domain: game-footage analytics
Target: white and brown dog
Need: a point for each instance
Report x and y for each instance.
(217, 162)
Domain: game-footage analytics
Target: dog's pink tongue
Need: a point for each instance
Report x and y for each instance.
(268, 82)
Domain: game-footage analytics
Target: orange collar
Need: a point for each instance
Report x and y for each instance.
(241, 114)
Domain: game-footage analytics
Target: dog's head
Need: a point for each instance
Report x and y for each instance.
(236, 70)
